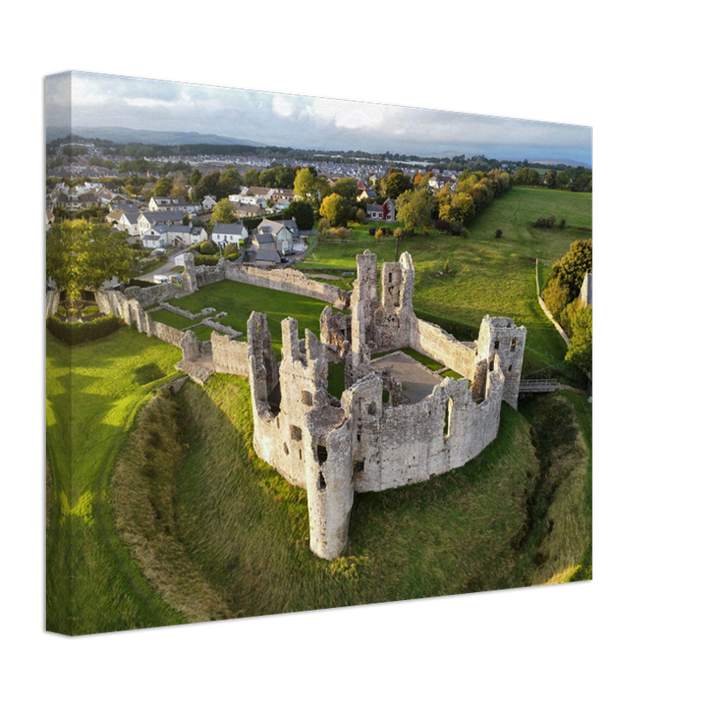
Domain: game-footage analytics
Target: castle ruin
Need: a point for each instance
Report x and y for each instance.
(376, 436)
(334, 448)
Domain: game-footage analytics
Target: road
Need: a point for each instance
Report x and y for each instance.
(165, 268)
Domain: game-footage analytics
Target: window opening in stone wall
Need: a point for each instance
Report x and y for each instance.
(322, 453)
(371, 409)
(497, 343)
(287, 451)
(295, 433)
(492, 366)
(509, 368)
(448, 414)
(512, 345)
(307, 397)
(358, 467)
(322, 485)
(300, 453)
(390, 277)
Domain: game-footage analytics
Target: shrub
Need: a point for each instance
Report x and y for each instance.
(442, 225)
(208, 248)
(206, 259)
(371, 231)
(230, 249)
(541, 222)
(498, 233)
(74, 333)
(360, 216)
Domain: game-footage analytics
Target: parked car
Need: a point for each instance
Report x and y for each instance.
(161, 279)
(158, 251)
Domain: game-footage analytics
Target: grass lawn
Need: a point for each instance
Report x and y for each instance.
(177, 321)
(91, 407)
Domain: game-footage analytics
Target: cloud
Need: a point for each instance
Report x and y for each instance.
(305, 122)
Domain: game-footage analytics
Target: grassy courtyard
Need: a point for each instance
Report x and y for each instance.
(240, 301)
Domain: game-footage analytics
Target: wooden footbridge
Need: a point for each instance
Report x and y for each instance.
(539, 385)
(529, 386)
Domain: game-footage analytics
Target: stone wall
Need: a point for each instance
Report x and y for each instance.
(431, 340)
(229, 356)
(156, 294)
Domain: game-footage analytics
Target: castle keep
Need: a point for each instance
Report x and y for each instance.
(376, 436)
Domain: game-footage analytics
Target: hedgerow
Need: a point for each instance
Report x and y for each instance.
(74, 333)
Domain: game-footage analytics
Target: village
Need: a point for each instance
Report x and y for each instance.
(165, 223)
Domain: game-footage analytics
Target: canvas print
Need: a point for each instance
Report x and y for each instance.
(305, 353)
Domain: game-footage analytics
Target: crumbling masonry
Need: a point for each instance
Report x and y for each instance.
(333, 448)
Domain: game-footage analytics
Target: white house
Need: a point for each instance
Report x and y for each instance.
(225, 233)
(165, 236)
(128, 222)
(171, 203)
(209, 203)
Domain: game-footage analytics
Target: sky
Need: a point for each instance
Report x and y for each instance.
(305, 122)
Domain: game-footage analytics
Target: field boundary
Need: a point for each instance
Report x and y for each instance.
(545, 309)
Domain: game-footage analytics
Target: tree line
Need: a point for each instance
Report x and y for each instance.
(571, 179)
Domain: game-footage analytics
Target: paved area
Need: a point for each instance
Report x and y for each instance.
(417, 380)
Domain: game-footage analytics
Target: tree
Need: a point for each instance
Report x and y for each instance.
(302, 212)
(252, 178)
(460, 208)
(347, 188)
(163, 187)
(498, 233)
(224, 212)
(415, 209)
(230, 181)
(527, 176)
(396, 184)
(311, 187)
(335, 209)
(361, 216)
(195, 177)
(208, 185)
(579, 352)
(82, 255)
(550, 180)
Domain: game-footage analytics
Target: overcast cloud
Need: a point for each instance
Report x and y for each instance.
(305, 122)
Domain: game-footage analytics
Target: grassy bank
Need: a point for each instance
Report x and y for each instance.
(91, 407)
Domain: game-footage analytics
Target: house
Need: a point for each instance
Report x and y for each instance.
(149, 219)
(127, 220)
(164, 236)
(171, 203)
(49, 219)
(266, 257)
(248, 210)
(225, 233)
(209, 203)
(283, 234)
(389, 210)
(374, 212)
(367, 193)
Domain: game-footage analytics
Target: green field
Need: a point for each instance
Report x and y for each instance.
(172, 518)
(490, 275)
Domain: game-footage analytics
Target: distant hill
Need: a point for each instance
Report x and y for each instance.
(124, 136)
(569, 163)
(445, 155)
